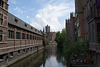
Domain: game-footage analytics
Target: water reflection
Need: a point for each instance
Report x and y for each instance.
(48, 57)
(51, 60)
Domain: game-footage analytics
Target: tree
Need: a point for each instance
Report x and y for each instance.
(44, 44)
(70, 47)
(60, 38)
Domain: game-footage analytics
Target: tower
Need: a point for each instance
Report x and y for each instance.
(47, 28)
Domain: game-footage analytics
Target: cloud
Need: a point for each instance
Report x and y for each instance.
(50, 14)
(27, 17)
(13, 1)
(19, 10)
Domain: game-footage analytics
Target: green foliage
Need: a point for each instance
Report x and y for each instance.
(44, 40)
(69, 47)
(75, 48)
(60, 38)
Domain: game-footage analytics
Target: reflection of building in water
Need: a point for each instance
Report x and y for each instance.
(51, 50)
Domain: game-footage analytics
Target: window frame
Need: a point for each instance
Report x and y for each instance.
(30, 37)
(17, 35)
(10, 34)
(1, 19)
(98, 11)
(1, 35)
(23, 35)
(1, 3)
(27, 36)
(98, 33)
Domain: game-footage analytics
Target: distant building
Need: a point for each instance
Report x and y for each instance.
(47, 28)
(51, 37)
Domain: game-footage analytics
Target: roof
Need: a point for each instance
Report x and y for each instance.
(13, 20)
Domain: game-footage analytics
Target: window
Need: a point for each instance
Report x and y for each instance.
(93, 32)
(1, 19)
(0, 35)
(17, 35)
(35, 29)
(16, 20)
(30, 37)
(90, 33)
(32, 28)
(98, 32)
(27, 36)
(25, 25)
(1, 3)
(10, 34)
(91, 12)
(95, 10)
(23, 36)
(75, 24)
(98, 12)
(33, 37)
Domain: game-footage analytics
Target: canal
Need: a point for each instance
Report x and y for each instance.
(48, 57)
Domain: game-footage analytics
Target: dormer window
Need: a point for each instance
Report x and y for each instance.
(25, 25)
(16, 20)
(35, 29)
(32, 28)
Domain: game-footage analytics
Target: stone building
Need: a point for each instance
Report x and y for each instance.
(47, 28)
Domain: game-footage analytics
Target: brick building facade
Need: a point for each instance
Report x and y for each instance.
(21, 33)
(3, 23)
(71, 31)
(79, 18)
(17, 38)
(89, 14)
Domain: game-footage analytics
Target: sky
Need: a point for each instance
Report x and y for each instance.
(40, 13)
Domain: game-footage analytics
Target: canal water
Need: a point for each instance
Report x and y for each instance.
(48, 57)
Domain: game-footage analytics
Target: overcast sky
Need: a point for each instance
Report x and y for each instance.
(40, 13)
